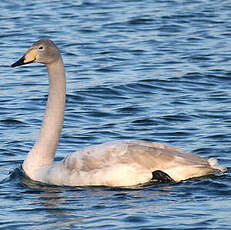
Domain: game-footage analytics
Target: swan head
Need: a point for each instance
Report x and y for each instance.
(43, 51)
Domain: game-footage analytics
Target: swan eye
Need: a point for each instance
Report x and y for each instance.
(41, 48)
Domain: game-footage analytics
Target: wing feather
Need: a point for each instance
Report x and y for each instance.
(112, 162)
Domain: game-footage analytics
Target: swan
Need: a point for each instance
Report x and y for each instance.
(116, 163)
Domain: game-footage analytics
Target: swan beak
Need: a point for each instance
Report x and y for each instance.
(29, 57)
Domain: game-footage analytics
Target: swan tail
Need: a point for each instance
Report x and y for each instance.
(214, 164)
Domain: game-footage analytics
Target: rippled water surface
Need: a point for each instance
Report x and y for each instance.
(150, 70)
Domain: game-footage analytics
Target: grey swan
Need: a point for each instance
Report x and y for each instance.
(116, 163)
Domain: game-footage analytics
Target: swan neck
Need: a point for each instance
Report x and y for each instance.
(43, 152)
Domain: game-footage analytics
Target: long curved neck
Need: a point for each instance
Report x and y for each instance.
(43, 151)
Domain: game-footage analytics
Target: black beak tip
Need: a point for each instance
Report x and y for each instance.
(19, 62)
(13, 65)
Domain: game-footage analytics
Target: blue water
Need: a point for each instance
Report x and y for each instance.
(150, 70)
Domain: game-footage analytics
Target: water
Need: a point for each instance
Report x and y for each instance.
(151, 70)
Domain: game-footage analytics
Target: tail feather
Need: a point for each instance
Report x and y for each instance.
(214, 164)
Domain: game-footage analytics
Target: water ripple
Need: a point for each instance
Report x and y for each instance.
(151, 70)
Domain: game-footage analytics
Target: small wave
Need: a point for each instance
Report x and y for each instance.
(12, 122)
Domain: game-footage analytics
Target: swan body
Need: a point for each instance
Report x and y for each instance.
(118, 163)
